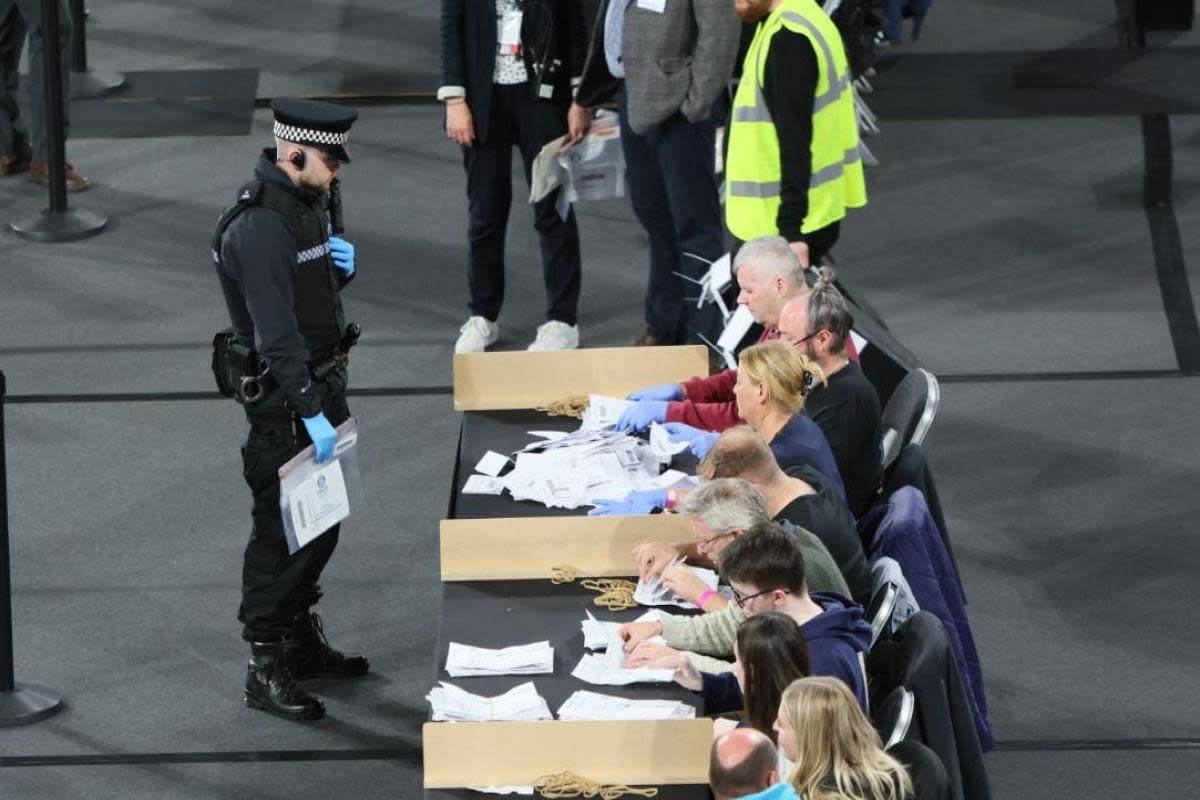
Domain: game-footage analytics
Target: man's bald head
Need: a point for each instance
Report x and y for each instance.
(742, 762)
(740, 452)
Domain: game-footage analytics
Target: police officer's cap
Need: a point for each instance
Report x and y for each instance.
(325, 126)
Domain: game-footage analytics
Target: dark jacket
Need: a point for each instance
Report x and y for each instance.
(904, 530)
(550, 30)
(918, 656)
(847, 411)
(834, 637)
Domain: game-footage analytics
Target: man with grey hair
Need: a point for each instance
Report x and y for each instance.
(846, 407)
(742, 762)
(720, 511)
(769, 274)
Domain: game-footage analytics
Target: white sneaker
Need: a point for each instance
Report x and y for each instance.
(555, 335)
(476, 335)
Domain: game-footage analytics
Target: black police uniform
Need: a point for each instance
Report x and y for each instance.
(282, 291)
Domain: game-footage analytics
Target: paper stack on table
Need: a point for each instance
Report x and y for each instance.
(603, 412)
(452, 704)
(598, 633)
(584, 705)
(596, 669)
(527, 659)
(654, 593)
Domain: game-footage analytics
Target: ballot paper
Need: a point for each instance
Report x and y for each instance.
(492, 463)
(661, 444)
(314, 497)
(482, 484)
(736, 329)
(596, 669)
(521, 790)
(598, 633)
(452, 704)
(654, 593)
(603, 412)
(670, 478)
(527, 659)
(582, 467)
(586, 706)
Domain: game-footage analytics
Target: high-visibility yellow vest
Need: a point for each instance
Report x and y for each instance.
(752, 169)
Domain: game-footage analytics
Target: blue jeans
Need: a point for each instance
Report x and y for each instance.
(673, 190)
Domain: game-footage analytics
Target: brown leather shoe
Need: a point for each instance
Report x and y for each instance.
(647, 339)
(12, 165)
(39, 172)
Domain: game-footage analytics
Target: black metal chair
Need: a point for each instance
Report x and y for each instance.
(909, 414)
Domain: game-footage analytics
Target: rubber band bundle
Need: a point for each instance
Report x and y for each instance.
(571, 406)
(616, 594)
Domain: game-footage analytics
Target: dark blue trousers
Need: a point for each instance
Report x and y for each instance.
(673, 190)
(518, 120)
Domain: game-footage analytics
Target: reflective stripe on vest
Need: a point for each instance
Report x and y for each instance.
(766, 189)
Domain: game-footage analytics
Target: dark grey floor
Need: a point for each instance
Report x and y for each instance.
(992, 248)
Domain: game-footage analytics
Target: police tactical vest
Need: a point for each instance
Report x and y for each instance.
(316, 301)
(753, 172)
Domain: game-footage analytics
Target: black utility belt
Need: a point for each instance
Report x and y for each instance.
(241, 373)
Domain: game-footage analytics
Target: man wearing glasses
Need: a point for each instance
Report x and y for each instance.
(766, 572)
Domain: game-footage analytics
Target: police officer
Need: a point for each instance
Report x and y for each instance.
(281, 272)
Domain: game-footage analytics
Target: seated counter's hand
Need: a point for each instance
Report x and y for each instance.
(666, 393)
(634, 633)
(634, 503)
(639, 416)
(652, 558)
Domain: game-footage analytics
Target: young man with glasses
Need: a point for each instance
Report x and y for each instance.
(766, 571)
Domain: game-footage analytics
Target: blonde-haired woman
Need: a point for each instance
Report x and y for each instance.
(836, 753)
(773, 379)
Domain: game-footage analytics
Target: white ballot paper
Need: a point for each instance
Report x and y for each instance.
(521, 790)
(492, 463)
(482, 484)
(654, 593)
(603, 412)
(661, 444)
(736, 329)
(452, 704)
(526, 659)
(596, 669)
(586, 706)
(314, 497)
(598, 633)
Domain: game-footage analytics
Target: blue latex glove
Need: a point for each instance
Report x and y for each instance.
(699, 442)
(667, 392)
(637, 417)
(342, 253)
(322, 434)
(642, 502)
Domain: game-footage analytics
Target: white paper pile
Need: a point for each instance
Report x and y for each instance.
(584, 705)
(654, 593)
(598, 633)
(603, 412)
(661, 444)
(452, 704)
(596, 669)
(582, 467)
(525, 790)
(527, 659)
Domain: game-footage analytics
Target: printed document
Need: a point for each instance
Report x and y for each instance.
(527, 659)
(319, 502)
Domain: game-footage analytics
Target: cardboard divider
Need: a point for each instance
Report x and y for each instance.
(634, 753)
(520, 379)
(527, 548)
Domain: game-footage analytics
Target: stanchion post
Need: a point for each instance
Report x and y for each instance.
(20, 703)
(87, 82)
(56, 224)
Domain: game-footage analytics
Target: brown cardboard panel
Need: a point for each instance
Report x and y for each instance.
(635, 753)
(520, 379)
(526, 548)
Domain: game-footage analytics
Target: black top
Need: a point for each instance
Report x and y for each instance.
(847, 411)
(789, 88)
(826, 516)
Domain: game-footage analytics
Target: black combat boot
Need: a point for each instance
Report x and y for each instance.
(314, 658)
(270, 686)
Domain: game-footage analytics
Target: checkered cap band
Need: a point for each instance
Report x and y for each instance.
(290, 133)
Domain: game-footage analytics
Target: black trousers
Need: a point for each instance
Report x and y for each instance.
(673, 191)
(277, 586)
(517, 119)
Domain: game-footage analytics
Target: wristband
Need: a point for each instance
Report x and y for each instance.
(672, 500)
(705, 596)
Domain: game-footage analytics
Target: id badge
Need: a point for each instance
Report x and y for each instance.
(657, 6)
(510, 29)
